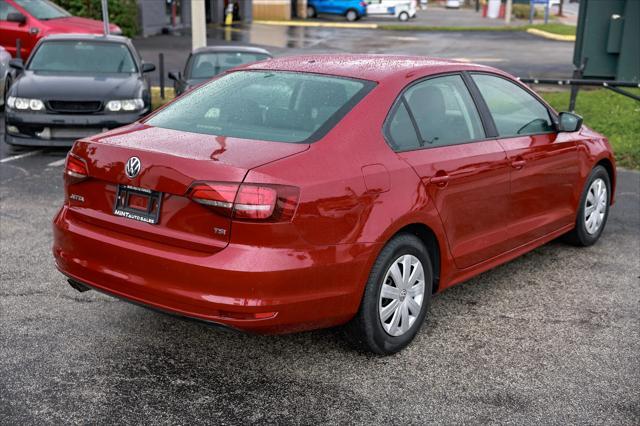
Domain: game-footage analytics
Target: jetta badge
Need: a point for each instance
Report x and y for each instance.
(132, 168)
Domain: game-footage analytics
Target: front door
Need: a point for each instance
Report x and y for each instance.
(12, 31)
(466, 174)
(544, 163)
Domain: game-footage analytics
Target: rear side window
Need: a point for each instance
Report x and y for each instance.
(443, 112)
(515, 112)
(206, 65)
(401, 130)
(265, 105)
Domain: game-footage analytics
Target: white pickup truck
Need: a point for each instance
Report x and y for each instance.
(403, 10)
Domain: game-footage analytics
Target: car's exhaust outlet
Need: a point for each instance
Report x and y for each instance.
(78, 286)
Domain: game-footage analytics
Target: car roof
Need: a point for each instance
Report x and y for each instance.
(243, 49)
(88, 37)
(368, 66)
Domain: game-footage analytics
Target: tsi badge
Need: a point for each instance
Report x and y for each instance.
(132, 168)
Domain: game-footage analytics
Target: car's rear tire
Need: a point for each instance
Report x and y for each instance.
(351, 15)
(396, 297)
(403, 17)
(593, 209)
(311, 12)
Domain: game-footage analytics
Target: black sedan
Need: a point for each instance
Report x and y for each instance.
(73, 86)
(207, 62)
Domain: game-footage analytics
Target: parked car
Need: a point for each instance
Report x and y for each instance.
(31, 20)
(207, 62)
(74, 86)
(402, 10)
(352, 10)
(453, 4)
(321, 190)
(5, 75)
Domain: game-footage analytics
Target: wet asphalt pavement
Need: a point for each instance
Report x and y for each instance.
(550, 338)
(518, 53)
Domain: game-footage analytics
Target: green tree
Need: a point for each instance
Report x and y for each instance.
(123, 13)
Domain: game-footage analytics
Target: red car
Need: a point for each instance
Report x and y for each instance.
(309, 192)
(30, 20)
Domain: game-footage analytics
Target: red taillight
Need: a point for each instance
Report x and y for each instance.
(76, 167)
(363, 4)
(248, 201)
(219, 195)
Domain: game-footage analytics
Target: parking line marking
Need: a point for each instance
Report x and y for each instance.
(19, 156)
(57, 163)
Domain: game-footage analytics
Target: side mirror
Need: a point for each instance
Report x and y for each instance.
(17, 17)
(17, 64)
(174, 76)
(147, 67)
(569, 122)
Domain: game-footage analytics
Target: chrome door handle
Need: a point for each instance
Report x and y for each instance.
(440, 180)
(518, 164)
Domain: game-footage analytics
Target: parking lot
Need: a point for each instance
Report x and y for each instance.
(552, 337)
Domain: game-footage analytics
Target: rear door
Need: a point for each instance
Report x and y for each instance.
(437, 129)
(376, 7)
(543, 163)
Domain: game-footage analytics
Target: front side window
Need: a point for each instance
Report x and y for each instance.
(5, 10)
(265, 105)
(206, 65)
(43, 9)
(444, 111)
(74, 56)
(515, 112)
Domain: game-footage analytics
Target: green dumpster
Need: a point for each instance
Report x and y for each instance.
(608, 40)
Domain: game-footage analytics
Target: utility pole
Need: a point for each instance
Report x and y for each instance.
(198, 24)
(105, 16)
(507, 12)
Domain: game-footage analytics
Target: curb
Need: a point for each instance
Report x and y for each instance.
(551, 36)
(317, 24)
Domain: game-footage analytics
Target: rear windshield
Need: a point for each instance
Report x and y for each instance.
(266, 105)
(75, 56)
(206, 65)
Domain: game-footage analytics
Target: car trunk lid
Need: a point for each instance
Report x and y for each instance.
(170, 163)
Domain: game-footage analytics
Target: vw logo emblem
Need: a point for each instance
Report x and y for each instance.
(132, 168)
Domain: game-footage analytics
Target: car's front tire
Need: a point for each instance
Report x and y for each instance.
(351, 15)
(403, 17)
(396, 297)
(5, 94)
(593, 210)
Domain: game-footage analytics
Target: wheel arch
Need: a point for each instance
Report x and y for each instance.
(352, 9)
(430, 240)
(609, 167)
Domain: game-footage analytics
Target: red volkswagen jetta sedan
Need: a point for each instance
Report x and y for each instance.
(308, 192)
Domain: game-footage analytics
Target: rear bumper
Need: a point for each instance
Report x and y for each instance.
(254, 289)
(31, 126)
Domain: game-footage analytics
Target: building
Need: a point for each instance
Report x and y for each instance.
(157, 16)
